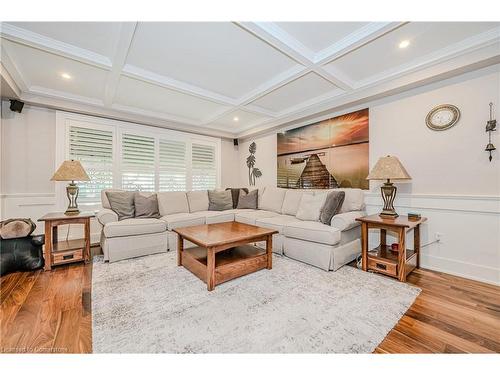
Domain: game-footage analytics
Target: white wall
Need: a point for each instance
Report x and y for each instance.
(229, 164)
(454, 185)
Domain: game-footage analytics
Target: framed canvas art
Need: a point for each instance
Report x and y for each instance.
(327, 154)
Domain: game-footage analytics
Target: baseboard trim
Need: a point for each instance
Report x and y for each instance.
(462, 269)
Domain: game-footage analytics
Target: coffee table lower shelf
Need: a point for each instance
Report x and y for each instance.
(229, 264)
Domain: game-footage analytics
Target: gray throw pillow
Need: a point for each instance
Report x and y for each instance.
(332, 206)
(248, 200)
(220, 200)
(122, 203)
(146, 205)
(235, 192)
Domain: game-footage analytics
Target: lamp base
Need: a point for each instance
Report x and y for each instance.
(388, 195)
(72, 194)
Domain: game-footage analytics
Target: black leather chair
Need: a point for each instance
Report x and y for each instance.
(21, 254)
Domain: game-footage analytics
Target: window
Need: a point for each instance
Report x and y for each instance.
(172, 166)
(94, 149)
(138, 163)
(204, 167)
(122, 155)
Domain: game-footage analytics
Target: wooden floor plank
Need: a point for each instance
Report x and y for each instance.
(51, 312)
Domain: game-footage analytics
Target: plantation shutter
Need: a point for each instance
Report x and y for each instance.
(94, 149)
(138, 163)
(203, 166)
(172, 165)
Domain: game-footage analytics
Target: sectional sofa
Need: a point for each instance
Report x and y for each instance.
(325, 246)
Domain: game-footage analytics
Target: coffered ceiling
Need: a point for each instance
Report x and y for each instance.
(233, 79)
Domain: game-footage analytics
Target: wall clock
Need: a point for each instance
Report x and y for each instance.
(442, 117)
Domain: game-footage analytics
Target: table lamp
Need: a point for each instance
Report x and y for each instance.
(71, 170)
(388, 168)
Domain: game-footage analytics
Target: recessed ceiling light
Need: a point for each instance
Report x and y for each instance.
(404, 44)
(235, 118)
(65, 76)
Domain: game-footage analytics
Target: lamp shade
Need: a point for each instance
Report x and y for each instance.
(70, 170)
(388, 168)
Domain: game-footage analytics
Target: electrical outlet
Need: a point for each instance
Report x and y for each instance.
(439, 236)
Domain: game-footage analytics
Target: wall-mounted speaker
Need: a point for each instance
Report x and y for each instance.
(16, 105)
(235, 141)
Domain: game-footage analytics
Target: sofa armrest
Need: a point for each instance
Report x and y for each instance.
(106, 216)
(346, 220)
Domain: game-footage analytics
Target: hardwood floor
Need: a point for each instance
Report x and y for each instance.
(51, 312)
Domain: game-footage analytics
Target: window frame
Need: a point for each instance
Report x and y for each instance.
(65, 119)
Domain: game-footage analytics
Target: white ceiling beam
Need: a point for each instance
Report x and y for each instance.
(125, 37)
(276, 37)
(355, 40)
(173, 84)
(273, 35)
(12, 69)
(56, 47)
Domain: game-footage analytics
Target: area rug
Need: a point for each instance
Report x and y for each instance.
(150, 305)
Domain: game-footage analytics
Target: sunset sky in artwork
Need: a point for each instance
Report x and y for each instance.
(337, 131)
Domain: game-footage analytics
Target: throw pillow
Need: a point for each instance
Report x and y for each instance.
(220, 200)
(332, 206)
(235, 193)
(146, 205)
(16, 228)
(122, 203)
(310, 206)
(248, 200)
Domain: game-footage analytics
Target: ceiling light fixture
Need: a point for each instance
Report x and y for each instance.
(235, 118)
(404, 44)
(65, 76)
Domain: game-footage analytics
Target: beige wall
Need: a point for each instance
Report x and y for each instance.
(28, 150)
(229, 164)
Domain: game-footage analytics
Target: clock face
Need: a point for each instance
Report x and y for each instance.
(442, 117)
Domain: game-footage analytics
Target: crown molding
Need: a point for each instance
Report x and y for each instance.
(144, 118)
(364, 96)
(56, 47)
(9, 81)
(488, 38)
(50, 93)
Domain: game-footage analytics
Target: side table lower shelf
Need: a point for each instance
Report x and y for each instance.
(383, 260)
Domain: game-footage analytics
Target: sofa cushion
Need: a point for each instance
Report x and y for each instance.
(104, 197)
(354, 200)
(291, 202)
(220, 200)
(333, 203)
(272, 199)
(312, 231)
(122, 203)
(197, 200)
(181, 220)
(310, 206)
(146, 205)
(276, 222)
(172, 202)
(134, 227)
(346, 220)
(248, 200)
(212, 217)
(235, 193)
(250, 216)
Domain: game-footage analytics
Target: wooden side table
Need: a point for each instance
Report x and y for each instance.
(62, 252)
(383, 259)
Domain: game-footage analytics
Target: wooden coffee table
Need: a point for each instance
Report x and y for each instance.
(223, 251)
